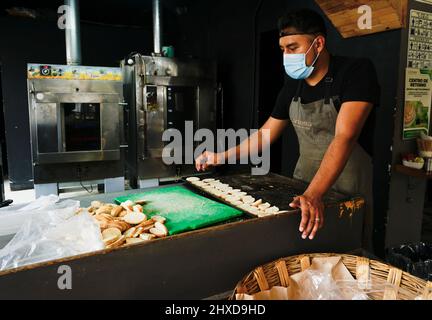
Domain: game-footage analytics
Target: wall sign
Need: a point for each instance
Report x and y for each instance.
(418, 98)
(420, 40)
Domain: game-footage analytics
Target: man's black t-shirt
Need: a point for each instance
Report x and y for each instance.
(354, 79)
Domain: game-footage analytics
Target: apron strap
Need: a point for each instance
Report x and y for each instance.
(298, 91)
(328, 81)
(328, 85)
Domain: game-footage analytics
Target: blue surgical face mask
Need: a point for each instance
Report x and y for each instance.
(295, 65)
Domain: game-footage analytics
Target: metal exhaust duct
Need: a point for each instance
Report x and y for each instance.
(73, 33)
(157, 26)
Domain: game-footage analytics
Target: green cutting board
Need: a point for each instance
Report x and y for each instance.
(183, 209)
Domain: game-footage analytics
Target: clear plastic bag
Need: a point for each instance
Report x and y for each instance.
(56, 232)
(322, 286)
(12, 218)
(329, 279)
(319, 286)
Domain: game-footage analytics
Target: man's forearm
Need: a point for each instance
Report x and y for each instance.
(333, 164)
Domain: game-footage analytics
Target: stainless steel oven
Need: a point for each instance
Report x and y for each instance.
(163, 93)
(75, 122)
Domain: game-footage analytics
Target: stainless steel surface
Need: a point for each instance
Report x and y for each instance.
(47, 123)
(73, 34)
(114, 184)
(163, 93)
(157, 26)
(75, 172)
(152, 120)
(76, 125)
(72, 185)
(79, 156)
(46, 189)
(149, 183)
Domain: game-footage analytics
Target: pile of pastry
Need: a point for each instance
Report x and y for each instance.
(126, 223)
(235, 197)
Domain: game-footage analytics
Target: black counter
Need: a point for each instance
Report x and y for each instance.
(193, 265)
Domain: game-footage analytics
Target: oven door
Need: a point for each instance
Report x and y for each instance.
(70, 127)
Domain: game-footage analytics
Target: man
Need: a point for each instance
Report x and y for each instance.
(330, 101)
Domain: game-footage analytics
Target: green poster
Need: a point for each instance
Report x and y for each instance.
(418, 96)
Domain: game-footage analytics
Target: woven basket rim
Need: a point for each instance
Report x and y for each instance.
(407, 280)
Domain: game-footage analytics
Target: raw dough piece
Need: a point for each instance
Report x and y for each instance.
(272, 210)
(193, 179)
(248, 199)
(199, 183)
(237, 203)
(264, 206)
(257, 203)
(232, 199)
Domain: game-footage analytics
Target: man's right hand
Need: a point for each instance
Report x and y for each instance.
(208, 160)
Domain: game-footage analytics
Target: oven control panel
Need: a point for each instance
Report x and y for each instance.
(65, 72)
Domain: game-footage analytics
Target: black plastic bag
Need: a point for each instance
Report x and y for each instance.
(416, 259)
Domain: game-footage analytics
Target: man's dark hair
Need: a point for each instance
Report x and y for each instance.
(302, 21)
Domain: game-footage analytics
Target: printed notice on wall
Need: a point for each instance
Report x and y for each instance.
(418, 99)
(420, 40)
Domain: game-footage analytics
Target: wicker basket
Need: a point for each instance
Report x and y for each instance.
(403, 285)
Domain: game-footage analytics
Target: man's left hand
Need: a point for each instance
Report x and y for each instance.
(312, 210)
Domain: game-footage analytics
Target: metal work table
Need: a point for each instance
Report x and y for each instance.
(193, 265)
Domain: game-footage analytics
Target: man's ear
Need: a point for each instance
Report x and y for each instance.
(320, 43)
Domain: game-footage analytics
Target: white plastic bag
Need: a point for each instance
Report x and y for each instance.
(326, 279)
(320, 285)
(54, 233)
(12, 218)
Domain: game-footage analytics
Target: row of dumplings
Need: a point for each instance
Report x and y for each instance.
(235, 197)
